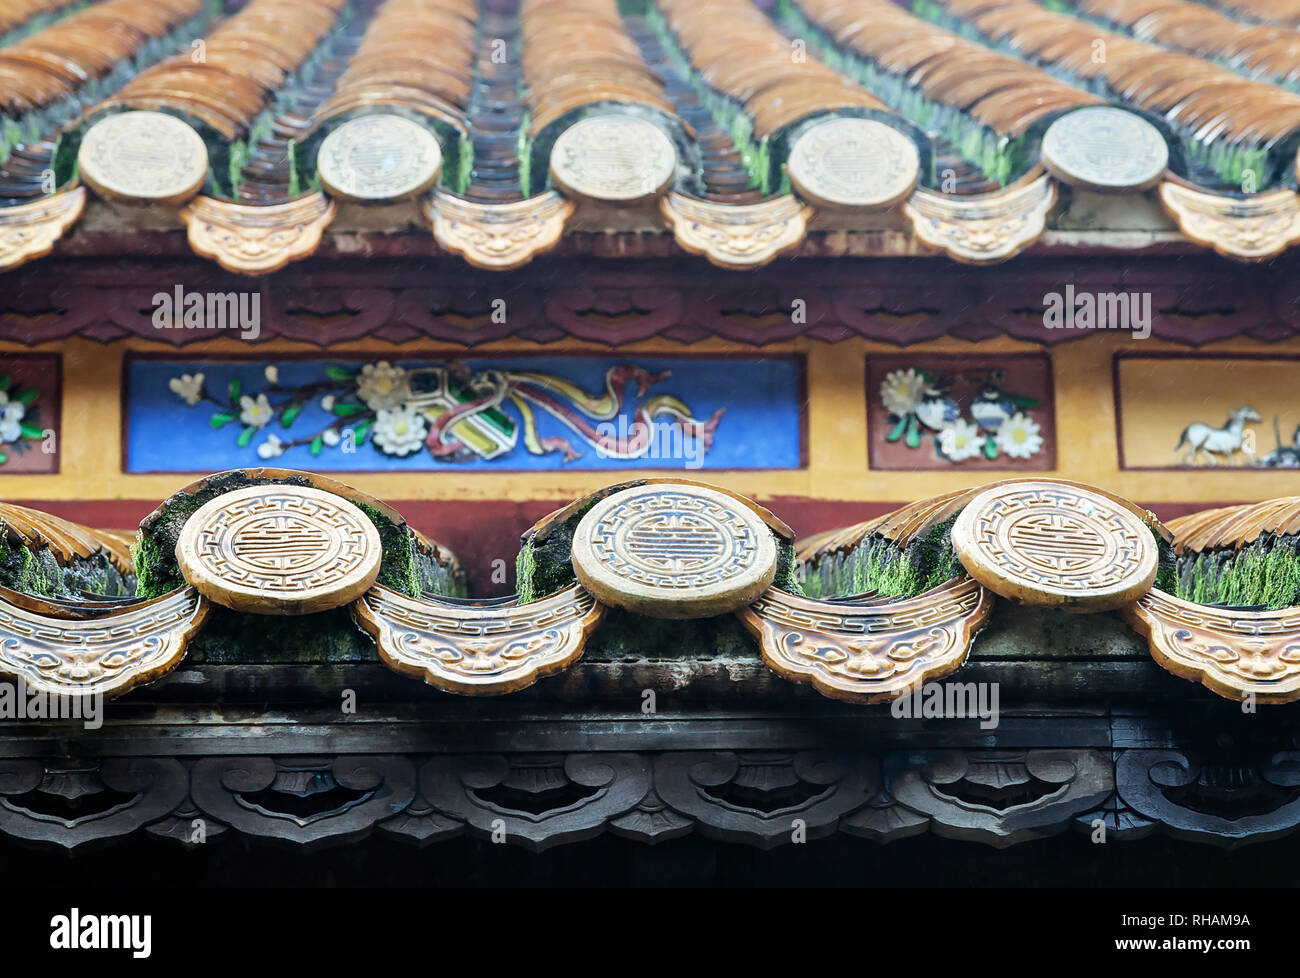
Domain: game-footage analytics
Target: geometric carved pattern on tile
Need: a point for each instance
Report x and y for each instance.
(282, 550)
(378, 157)
(497, 237)
(1252, 229)
(478, 650)
(143, 157)
(106, 655)
(1003, 797)
(873, 651)
(1051, 543)
(29, 230)
(613, 158)
(1232, 652)
(853, 163)
(983, 228)
(674, 551)
(257, 239)
(736, 235)
(1106, 149)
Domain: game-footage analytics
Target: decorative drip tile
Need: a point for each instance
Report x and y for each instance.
(29, 231)
(498, 236)
(257, 239)
(478, 649)
(873, 650)
(106, 655)
(1250, 228)
(1234, 652)
(986, 228)
(736, 235)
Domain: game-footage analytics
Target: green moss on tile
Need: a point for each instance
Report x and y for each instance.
(330, 636)
(544, 566)
(1265, 573)
(37, 571)
(879, 565)
(623, 635)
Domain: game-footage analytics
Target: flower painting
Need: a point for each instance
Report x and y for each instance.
(386, 413)
(28, 406)
(937, 411)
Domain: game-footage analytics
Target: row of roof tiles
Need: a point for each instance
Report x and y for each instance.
(729, 99)
(861, 614)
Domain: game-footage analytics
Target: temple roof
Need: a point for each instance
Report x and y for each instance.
(268, 130)
(993, 665)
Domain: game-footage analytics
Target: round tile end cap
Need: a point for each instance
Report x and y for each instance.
(143, 156)
(1057, 545)
(674, 551)
(279, 550)
(615, 159)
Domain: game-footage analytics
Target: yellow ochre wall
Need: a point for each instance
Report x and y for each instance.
(836, 425)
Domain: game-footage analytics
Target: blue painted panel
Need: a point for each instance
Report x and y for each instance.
(520, 413)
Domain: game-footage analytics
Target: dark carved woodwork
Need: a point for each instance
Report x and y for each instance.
(1223, 795)
(77, 803)
(303, 800)
(1195, 300)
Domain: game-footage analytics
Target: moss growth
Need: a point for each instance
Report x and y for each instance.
(330, 636)
(1264, 574)
(37, 571)
(877, 564)
(543, 565)
(625, 635)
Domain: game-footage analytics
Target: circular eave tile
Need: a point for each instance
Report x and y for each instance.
(279, 550)
(1055, 544)
(1106, 149)
(378, 157)
(671, 551)
(143, 156)
(853, 163)
(613, 158)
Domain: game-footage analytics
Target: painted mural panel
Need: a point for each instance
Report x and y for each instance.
(29, 414)
(505, 413)
(1193, 412)
(936, 411)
